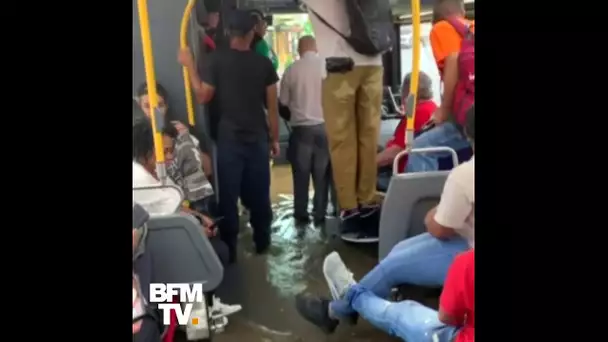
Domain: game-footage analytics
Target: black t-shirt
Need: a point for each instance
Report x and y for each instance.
(240, 79)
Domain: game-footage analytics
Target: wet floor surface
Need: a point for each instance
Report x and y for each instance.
(266, 285)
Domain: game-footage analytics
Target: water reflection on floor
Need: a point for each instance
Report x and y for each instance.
(266, 285)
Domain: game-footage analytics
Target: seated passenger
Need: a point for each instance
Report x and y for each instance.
(424, 109)
(185, 170)
(422, 260)
(162, 201)
(452, 41)
(408, 320)
(163, 97)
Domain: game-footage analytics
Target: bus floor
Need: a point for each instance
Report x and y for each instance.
(266, 285)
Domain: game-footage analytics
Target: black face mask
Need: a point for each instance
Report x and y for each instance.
(211, 31)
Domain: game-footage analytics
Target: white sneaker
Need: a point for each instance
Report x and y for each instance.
(220, 309)
(339, 278)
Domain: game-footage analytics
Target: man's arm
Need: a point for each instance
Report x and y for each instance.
(453, 209)
(387, 156)
(273, 111)
(284, 94)
(203, 89)
(450, 79)
(271, 100)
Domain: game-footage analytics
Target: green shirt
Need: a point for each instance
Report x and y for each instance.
(264, 49)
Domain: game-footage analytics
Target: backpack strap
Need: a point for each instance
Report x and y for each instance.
(463, 29)
(329, 25)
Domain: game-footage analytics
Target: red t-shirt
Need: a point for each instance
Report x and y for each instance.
(458, 296)
(424, 110)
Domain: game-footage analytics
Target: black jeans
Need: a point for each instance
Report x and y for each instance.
(244, 172)
(308, 155)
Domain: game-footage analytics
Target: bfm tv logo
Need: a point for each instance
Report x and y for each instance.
(189, 294)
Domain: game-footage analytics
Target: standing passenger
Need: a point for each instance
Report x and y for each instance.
(259, 44)
(308, 151)
(450, 36)
(237, 79)
(352, 98)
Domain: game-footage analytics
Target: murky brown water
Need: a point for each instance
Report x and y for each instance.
(266, 285)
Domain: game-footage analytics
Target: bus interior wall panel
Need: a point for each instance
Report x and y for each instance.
(165, 21)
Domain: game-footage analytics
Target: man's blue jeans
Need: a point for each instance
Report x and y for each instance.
(444, 135)
(408, 320)
(422, 260)
(243, 171)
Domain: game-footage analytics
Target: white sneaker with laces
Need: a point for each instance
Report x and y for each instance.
(339, 278)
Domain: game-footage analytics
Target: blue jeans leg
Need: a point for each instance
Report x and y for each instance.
(408, 320)
(230, 167)
(422, 260)
(255, 191)
(444, 135)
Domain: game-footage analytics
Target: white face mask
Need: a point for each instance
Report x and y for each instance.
(162, 110)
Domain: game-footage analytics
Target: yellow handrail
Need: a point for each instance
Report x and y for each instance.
(146, 42)
(410, 104)
(183, 41)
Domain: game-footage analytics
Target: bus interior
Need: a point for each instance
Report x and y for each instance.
(266, 285)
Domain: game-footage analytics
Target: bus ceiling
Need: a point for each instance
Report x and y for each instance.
(401, 8)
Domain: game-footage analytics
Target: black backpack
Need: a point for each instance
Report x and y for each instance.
(371, 26)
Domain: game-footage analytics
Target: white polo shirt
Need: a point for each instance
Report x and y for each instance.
(301, 90)
(329, 43)
(456, 208)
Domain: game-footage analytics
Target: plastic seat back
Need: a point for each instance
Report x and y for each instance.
(409, 197)
(181, 253)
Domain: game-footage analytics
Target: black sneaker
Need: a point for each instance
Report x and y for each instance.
(348, 214)
(319, 221)
(262, 248)
(369, 209)
(316, 311)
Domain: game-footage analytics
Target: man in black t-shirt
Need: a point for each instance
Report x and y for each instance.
(237, 79)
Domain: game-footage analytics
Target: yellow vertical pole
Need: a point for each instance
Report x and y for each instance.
(156, 117)
(410, 104)
(183, 41)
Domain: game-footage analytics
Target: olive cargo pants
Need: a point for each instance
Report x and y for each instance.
(351, 105)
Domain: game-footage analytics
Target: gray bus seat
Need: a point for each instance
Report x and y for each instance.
(409, 197)
(181, 253)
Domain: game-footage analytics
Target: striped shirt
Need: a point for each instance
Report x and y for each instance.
(187, 171)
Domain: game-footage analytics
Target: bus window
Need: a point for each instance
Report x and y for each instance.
(427, 62)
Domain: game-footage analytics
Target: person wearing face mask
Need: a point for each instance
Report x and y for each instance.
(192, 163)
(308, 152)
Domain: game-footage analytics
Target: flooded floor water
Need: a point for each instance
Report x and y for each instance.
(266, 285)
